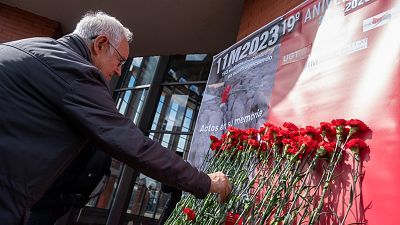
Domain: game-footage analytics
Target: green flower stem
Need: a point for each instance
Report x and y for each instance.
(251, 200)
(245, 191)
(219, 160)
(353, 188)
(272, 195)
(251, 183)
(331, 169)
(306, 207)
(301, 189)
(289, 188)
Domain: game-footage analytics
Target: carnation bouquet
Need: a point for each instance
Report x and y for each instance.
(280, 175)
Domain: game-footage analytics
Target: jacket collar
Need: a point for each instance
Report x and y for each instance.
(76, 44)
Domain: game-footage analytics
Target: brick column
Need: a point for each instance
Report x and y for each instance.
(18, 24)
(257, 13)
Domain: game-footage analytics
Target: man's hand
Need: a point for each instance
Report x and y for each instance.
(221, 185)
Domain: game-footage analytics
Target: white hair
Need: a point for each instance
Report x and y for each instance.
(98, 23)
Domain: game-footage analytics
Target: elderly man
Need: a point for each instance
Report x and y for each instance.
(54, 97)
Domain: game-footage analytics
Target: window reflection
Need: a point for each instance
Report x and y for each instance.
(193, 67)
(137, 62)
(175, 110)
(141, 71)
(195, 57)
(130, 103)
(147, 198)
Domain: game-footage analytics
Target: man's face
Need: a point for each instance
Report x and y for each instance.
(109, 57)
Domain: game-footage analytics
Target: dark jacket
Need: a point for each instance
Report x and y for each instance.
(74, 187)
(76, 184)
(52, 100)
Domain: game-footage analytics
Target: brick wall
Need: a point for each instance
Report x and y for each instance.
(257, 13)
(17, 24)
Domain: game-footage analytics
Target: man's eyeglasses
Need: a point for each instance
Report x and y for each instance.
(122, 60)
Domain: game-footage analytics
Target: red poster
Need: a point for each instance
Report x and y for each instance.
(342, 61)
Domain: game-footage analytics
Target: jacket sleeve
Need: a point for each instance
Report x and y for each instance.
(91, 109)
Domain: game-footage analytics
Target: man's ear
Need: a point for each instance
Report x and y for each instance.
(100, 44)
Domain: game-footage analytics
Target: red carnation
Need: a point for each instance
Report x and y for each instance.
(268, 124)
(190, 213)
(356, 145)
(339, 122)
(233, 132)
(327, 126)
(213, 138)
(329, 146)
(261, 130)
(244, 137)
(216, 145)
(290, 126)
(293, 151)
(251, 131)
(224, 136)
(253, 143)
(286, 133)
(263, 146)
(232, 129)
(286, 141)
(328, 130)
(340, 128)
(358, 123)
(326, 147)
(311, 131)
(309, 142)
(271, 133)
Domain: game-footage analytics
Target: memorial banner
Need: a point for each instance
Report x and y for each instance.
(323, 60)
